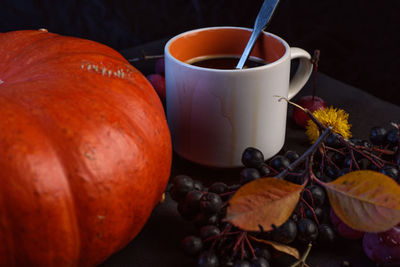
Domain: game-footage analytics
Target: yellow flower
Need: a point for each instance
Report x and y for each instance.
(336, 118)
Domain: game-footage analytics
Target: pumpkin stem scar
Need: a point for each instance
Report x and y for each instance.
(120, 73)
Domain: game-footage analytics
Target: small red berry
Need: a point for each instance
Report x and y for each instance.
(158, 82)
(383, 248)
(310, 103)
(343, 229)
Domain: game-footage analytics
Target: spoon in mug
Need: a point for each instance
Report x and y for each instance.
(263, 17)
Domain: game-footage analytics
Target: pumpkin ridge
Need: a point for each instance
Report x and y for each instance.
(67, 213)
(7, 242)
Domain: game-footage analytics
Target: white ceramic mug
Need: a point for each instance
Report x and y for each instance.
(214, 114)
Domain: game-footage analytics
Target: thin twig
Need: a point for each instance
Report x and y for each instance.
(302, 261)
(315, 61)
(305, 155)
(145, 57)
(308, 112)
(250, 246)
(312, 210)
(239, 240)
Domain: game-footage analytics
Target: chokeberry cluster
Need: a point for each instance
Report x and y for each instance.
(219, 243)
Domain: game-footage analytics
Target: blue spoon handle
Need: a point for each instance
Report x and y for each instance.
(263, 17)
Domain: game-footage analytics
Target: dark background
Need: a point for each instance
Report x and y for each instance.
(358, 40)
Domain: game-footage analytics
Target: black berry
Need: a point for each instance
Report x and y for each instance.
(252, 157)
(210, 203)
(326, 235)
(181, 185)
(192, 200)
(197, 185)
(209, 231)
(264, 170)
(331, 171)
(227, 261)
(291, 155)
(392, 137)
(263, 252)
(317, 197)
(259, 262)
(318, 211)
(377, 135)
(192, 245)
(307, 230)
(390, 171)
(279, 163)
(332, 141)
(242, 263)
(286, 233)
(248, 175)
(338, 158)
(208, 259)
(202, 219)
(218, 188)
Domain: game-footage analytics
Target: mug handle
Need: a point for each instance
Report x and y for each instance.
(303, 72)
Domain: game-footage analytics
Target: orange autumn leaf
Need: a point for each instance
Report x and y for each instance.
(280, 247)
(263, 203)
(365, 200)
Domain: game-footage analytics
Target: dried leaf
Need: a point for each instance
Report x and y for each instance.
(280, 247)
(366, 200)
(263, 203)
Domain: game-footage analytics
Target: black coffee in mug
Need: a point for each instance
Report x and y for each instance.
(225, 62)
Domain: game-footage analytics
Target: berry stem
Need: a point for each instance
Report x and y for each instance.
(218, 237)
(397, 157)
(308, 112)
(310, 194)
(234, 233)
(339, 151)
(322, 166)
(305, 155)
(377, 149)
(312, 210)
(354, 159)
(242, 248)
(368, 155)
(328, 159)
(315, 60)
(250, 246)
(239, 241)
(302, 214)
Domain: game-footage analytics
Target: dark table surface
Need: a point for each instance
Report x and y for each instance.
(158, 244)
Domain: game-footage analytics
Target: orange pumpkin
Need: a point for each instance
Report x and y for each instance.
(85, 151)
